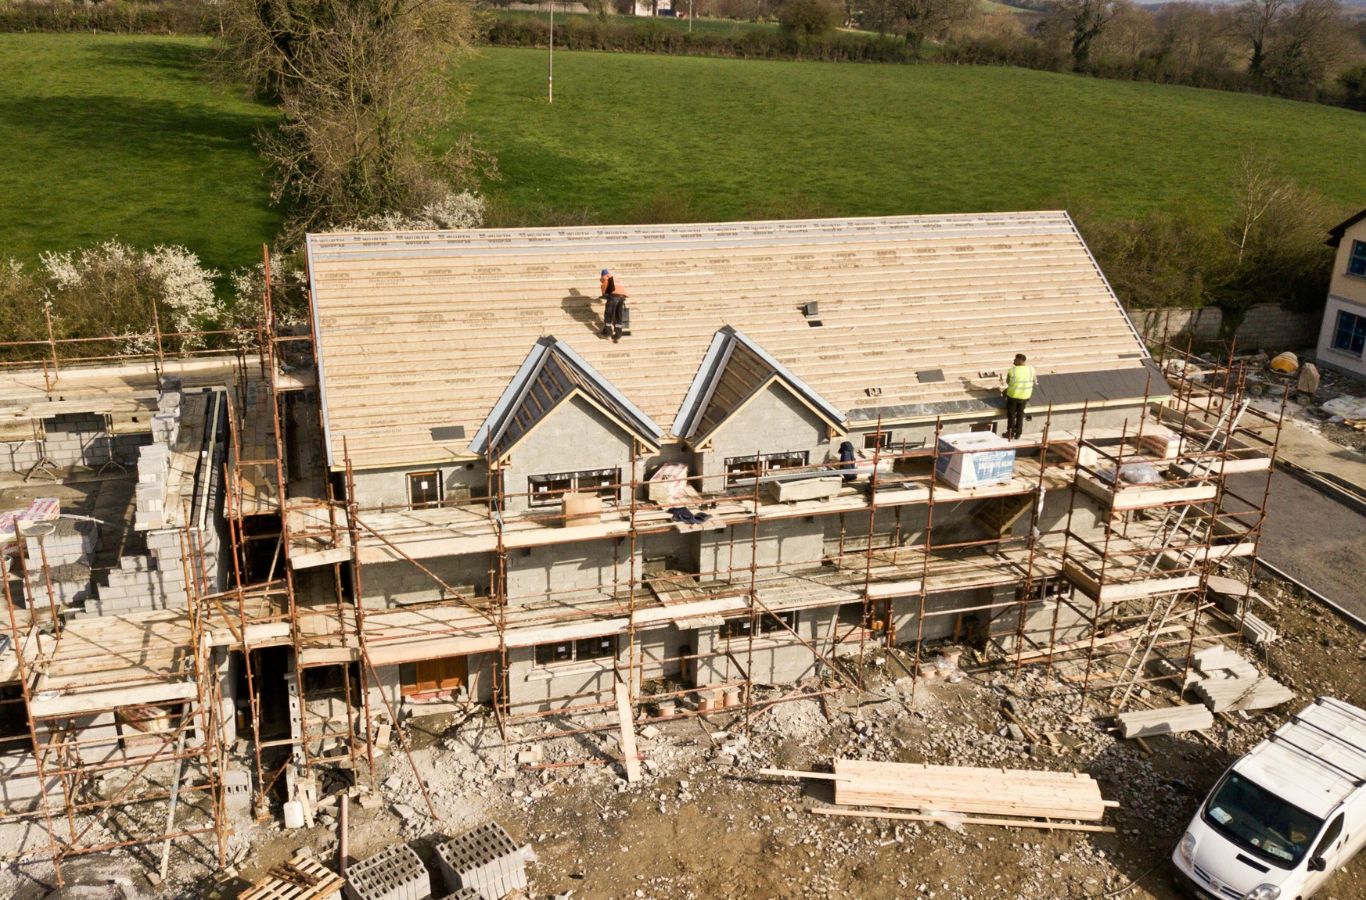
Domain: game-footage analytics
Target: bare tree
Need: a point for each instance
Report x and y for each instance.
(363, 86)
(1256, 19)
(1084, 21)
(1309, 40)
(923, 20)
(1258, 191)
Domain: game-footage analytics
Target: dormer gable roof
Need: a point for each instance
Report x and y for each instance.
(734, 370)
(551, 375)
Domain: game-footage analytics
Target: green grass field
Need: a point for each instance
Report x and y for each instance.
(104, 135)
(737, 137)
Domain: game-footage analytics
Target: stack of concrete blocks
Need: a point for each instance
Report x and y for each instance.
(237, 794)
(154, 464)
(166, 422)
(485, 860)
(66, 551)
(462, 894)
(395, 873)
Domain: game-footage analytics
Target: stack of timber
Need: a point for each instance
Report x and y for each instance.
(1171, 720)
(1021, 798)
(1226, 682)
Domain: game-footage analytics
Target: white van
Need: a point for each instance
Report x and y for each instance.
(1285, 816)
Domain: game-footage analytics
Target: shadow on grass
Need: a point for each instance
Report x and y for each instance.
(111, 127)
(185, 61)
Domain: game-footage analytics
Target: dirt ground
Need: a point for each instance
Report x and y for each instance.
(703, 823)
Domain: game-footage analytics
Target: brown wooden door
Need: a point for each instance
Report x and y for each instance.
(445, 674)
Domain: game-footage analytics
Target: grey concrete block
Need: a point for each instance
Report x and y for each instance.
(394, 873)
(485, 860)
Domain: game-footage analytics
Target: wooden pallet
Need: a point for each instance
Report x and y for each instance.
(301, 877)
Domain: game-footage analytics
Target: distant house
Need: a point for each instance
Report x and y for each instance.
(1342, 339)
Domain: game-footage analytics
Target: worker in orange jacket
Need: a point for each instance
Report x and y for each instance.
(613, 316)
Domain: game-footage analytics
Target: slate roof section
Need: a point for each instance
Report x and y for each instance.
(551, 374)
(1337, 231)
(1072, 389)
(734, 369)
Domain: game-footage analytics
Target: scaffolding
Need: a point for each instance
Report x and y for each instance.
(1113, 594)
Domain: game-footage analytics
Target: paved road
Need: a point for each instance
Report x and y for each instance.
(1313, 538)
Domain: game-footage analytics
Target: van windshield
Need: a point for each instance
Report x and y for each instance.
(1260, 822)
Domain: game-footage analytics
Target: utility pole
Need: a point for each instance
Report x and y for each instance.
(550, 79)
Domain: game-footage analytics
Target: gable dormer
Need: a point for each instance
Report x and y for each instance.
(746, 412)
(561, 427)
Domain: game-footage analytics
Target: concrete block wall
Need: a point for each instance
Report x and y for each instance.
(777, 657)
(1267, 326)
(69, 585)
(538, 688)
(399, 583)
(20, 789)
(72, 439)
(154, 463)
(388, 488)
(574, 438)
(385, 687)
(485, 860)
(787, 544)
(940, 618)
(597, 565)
(659, 650)
(155, 581)
(394, 873)
(773, 422)
(82, 442)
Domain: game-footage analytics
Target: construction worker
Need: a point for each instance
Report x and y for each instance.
(1019, 388)
(614, 313)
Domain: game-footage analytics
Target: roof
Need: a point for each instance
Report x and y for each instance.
(419, 334)
(1315, 760)
(1337, 231)
(733, 371)
(551, 374)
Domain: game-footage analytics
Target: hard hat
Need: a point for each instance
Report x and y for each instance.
(605, 272)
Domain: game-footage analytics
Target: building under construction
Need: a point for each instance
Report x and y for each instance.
(228, 573)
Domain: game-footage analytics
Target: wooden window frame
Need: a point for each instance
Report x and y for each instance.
(744, 468)
(584, 481)
(1356, 260)
(1348, 323)
(738, 628)
(435, 475)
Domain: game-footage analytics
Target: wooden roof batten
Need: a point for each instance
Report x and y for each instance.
(419, 333)
(551, 375)
(734, 371)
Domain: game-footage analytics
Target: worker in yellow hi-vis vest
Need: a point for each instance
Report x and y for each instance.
(1019, 388)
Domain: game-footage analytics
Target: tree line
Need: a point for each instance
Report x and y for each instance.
(1301, 49)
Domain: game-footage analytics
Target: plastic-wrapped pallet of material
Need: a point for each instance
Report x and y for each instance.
(974, 459)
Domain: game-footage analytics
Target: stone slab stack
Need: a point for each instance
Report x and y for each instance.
(485, 860)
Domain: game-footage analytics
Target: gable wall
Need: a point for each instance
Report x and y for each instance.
(574, 437)
(773, 422)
